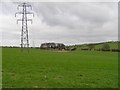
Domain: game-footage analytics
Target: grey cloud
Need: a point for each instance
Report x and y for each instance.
(73, 15)
(70, 23)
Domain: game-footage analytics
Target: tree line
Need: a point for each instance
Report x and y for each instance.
(105, 47)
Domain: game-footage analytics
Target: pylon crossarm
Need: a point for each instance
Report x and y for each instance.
(29, 6)
(18, 13)
(30, 20)
(18, 20)
(30, 13)
(21, 5)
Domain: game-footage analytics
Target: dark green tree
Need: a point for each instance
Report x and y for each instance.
(91, 46)
(105, 46)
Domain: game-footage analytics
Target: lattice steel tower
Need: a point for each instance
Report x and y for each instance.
(24, 18)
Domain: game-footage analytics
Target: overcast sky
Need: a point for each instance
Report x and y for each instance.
(62, 22)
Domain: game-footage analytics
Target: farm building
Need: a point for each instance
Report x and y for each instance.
(58, 46)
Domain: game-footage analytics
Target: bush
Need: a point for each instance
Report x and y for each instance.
(106, 47)
(91, 46)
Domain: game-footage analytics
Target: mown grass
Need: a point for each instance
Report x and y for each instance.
(51, 69)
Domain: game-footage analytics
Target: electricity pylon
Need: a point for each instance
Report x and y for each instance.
(24, 19)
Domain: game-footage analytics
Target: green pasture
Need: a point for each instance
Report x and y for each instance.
(52, 69)
(112, 45)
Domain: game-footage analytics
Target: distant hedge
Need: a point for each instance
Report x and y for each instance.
(110, 50)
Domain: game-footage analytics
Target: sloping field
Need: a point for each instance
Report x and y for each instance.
(112, 44)
(51, 69)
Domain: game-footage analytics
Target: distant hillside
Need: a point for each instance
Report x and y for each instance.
(96, 46)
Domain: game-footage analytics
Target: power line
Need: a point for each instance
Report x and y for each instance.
(24, 19)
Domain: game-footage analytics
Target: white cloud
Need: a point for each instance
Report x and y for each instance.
(69, 23)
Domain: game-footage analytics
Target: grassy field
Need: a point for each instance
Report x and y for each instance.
(112, 45)
(52, 69)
